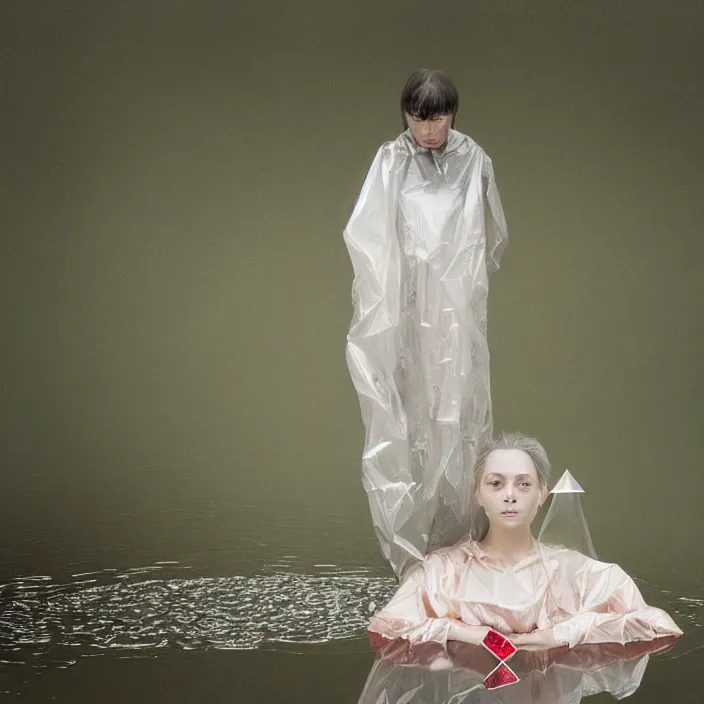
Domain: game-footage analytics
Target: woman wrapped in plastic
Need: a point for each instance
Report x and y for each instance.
(426, 232)
(506, 590)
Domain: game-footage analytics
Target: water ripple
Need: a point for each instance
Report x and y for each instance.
(45, 624)
(102, 611)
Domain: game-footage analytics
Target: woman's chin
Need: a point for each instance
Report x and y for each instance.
(517, 522)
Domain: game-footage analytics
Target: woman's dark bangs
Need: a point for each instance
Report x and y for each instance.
(430, 96)
(428, 104)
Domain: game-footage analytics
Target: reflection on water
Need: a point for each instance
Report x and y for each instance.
(563, 683)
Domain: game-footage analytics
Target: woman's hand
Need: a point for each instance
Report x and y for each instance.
(464, 633)
(474, 635)
(535, 640)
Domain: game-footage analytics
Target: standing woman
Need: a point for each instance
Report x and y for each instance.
(427, 231)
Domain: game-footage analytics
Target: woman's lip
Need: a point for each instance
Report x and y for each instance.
(509, 513)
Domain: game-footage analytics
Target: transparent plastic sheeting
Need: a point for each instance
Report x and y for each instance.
(426, 232)
(581, 673)
(564, 523)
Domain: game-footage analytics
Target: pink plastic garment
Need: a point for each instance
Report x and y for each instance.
(582, 600)
(426, 232)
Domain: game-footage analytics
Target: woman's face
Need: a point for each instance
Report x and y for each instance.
(509, 489)
(431, 133)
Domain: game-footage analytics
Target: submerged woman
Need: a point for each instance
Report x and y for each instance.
(538, 596)
(426, 232)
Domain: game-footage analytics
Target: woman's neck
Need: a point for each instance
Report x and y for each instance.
(508, 547)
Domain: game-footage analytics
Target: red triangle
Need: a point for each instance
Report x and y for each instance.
(495, 643)
(502, 676)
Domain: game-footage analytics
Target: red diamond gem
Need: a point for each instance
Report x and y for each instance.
(502, 676)
(495, 643)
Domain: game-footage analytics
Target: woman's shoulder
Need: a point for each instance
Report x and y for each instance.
(454, 555)
(463, 143)
(391, 151)
(574, 560)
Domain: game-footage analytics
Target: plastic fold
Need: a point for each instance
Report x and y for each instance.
(427, 230)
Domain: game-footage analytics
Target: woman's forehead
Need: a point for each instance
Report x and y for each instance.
(510, 463)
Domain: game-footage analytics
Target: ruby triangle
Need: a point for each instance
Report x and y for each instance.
(496, 644)
(502, 676)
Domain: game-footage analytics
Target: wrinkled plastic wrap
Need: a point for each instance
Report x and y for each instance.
(426, 232)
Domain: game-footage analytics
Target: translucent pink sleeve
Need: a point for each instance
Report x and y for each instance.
(418, 612)
(612, 611)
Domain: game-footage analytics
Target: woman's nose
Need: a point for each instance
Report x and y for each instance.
(509, 496)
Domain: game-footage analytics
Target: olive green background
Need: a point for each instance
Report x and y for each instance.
(176, 176)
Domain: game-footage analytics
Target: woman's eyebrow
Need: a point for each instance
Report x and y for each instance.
(518, 476)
